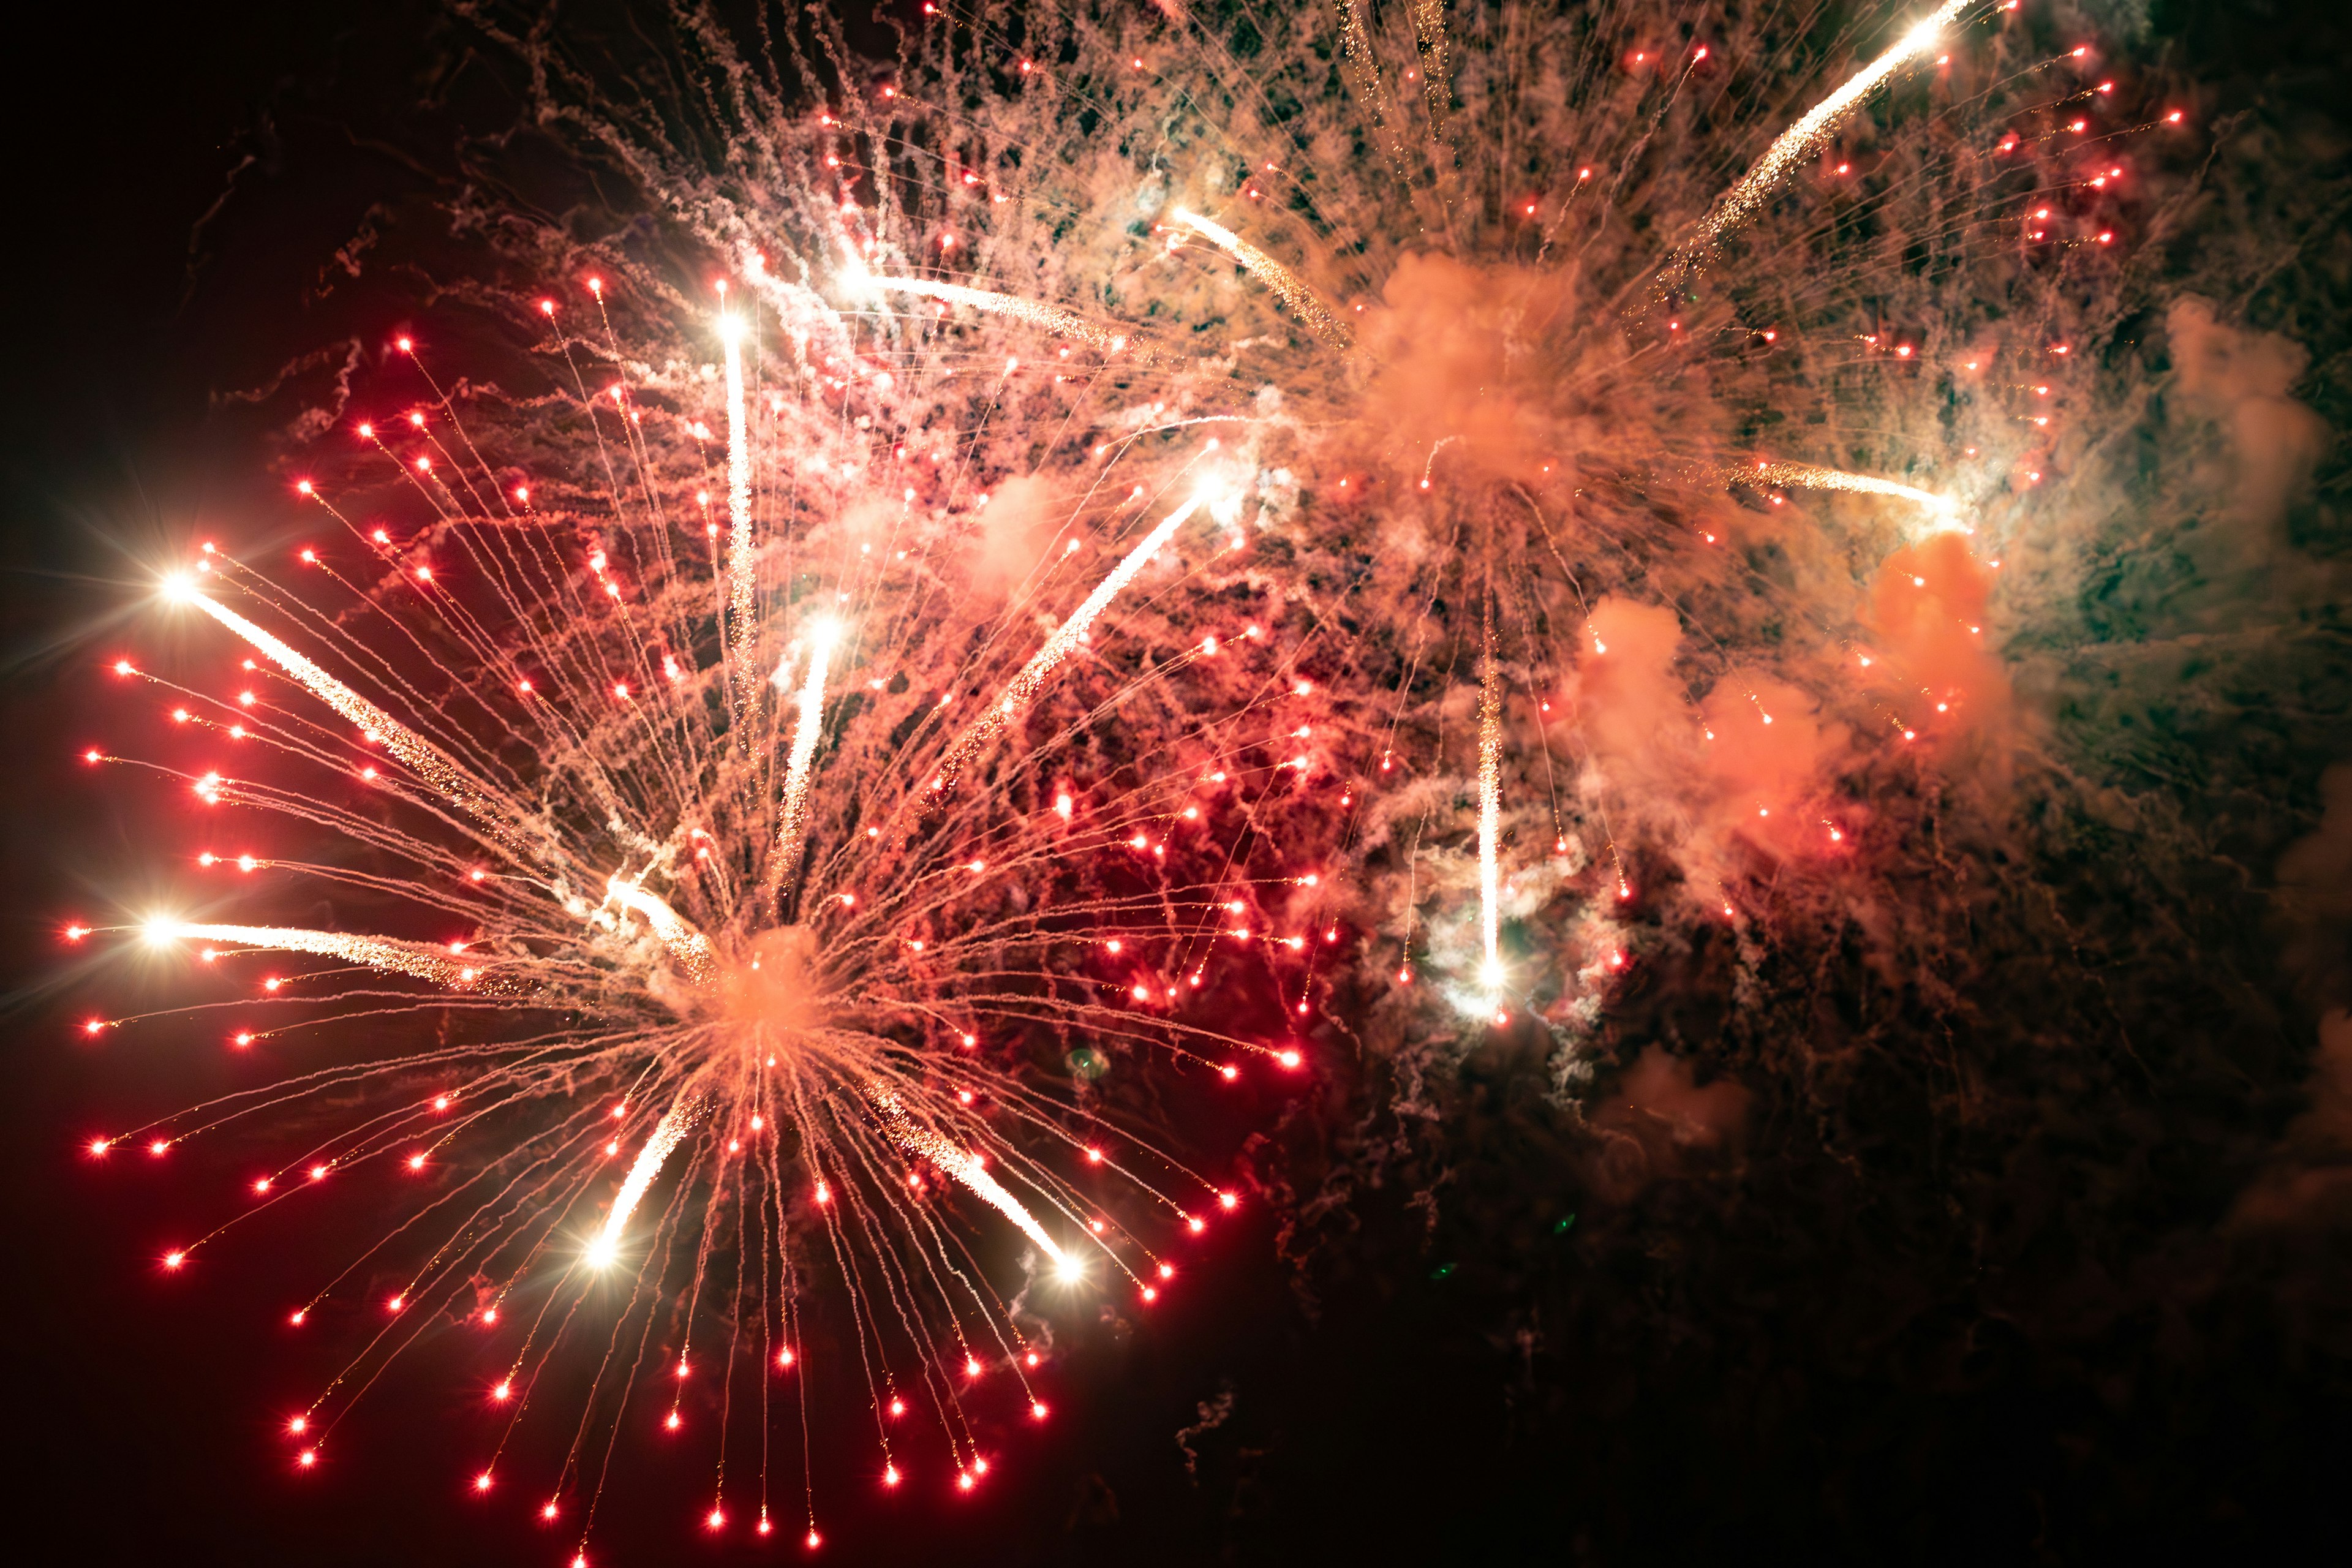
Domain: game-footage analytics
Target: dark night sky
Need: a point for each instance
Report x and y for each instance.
(1549, 1399)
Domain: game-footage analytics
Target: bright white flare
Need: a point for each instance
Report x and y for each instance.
(1023, 688)
(1806, 476)
(1302, 301)
(806, 726)
(927, 1142)
(1031, 313)
(1804, 138)
(422, 960)
(1490, 821)
(668, 1132)
(422, 757)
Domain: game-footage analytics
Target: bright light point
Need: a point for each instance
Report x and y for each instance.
(1490, 974)
(1069, 1268)
(1036, 1411)
(890, 1475)
(601, 1252)
(174, 1259)
(1289, 1058)
(179, 587)
(501, 1391)
(482, 1481)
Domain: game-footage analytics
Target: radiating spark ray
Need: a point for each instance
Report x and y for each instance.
(1490, 819)
(1807, 476)
(1304, 302)
(688, 947)
(420, 756)
(422, 960)
(808, 724)
(1022, 689)
(1801, 140)
(926, 1142)
(1031, 313)
(742, 566)
(667, 1134)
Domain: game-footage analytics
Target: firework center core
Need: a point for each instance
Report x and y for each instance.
(770, 982)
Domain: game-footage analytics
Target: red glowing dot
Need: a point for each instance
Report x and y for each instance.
(715, 1518)
(1036, 1411)
(1150, 1294)
(158, 1147)
(1230, 1073)
(813, 1541)
(174, 1259)
(404, 344)
(547, 1512)
(501, 1391)
(890, 1475)
(296, 1318)
(482, 1481)
(99, 1146)
(307, 1457)
(673, 1423)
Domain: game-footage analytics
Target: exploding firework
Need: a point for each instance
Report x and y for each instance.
(1116, 524)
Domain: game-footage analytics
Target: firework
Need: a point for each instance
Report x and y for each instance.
(1087, 638)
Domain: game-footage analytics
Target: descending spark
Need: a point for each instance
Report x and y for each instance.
(794, 835)
(424, 758)
(1806, 476)
(1302, 301)
(743, 568)
(1022, 689)
(1490, 817)
(1429, 37)
(927, 1142)
(1801, 140)
(667, 1134)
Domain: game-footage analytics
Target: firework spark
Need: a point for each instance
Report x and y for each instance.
(824, 838)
